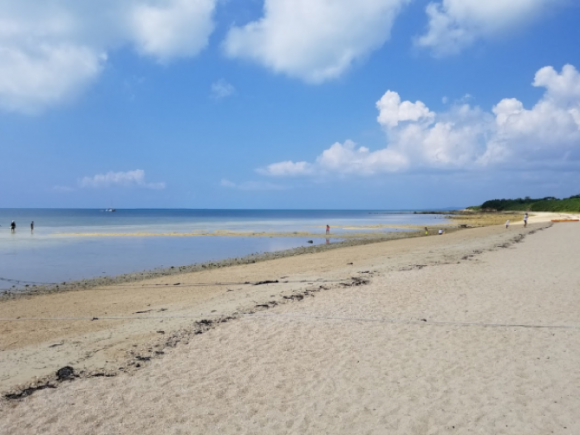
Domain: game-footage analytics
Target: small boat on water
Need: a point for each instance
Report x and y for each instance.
(110, 210)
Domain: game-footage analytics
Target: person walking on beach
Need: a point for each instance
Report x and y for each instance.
(327, 229)
(525, 220)
(507, 224)
(32, 226)
(13, 227)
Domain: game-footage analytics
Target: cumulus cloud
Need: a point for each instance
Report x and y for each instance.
(549, 130)
(134, 178)
(42, 76)
(464, 137)
(456, 24)
(222, 89)
(314, 40)
(50, 51)
(347, 158)
(392, 111)
(564, 87)
(172, 28)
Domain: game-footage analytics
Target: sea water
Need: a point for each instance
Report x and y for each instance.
(50, 254)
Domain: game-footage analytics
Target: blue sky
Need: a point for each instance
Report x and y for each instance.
(381, 104)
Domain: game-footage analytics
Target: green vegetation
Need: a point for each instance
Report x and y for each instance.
(548, 203)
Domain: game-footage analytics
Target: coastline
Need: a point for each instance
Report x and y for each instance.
(90, 283)
(432, 291)
(72, 245)
(450, 224)
(92, 309)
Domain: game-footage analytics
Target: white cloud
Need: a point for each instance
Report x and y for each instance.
(456, 24)
(222, 89)
(465, 137)
(46, 75)
(348, 159)
(134, 178)
(285, 169)
(548, 131)
(314, 40)
(392, 111)
(50, 51)
(562, 87)
(172, 28)
(251, 185)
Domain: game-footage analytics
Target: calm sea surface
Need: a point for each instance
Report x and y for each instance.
(49, 256)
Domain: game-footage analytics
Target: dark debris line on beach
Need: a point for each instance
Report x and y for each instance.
(137, 359)
(63, 374)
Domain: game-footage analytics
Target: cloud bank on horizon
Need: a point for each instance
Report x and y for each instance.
(51, 51)
(463, 138)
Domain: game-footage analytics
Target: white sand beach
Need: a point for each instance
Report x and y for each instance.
(473, 332)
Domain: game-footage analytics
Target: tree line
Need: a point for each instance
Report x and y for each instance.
(549, 203)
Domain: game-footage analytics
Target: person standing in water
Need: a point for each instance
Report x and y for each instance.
(327, 229)
(32, 226)
(13, 227)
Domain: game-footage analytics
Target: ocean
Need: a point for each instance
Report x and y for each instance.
(73, 244)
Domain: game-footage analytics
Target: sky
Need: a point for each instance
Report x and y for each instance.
(287, 104)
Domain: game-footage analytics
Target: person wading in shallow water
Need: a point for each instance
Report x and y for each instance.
(327, 229)
(32, 226)
(13, 227)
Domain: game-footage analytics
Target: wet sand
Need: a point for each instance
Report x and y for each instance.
(208, 265)
(471, 332)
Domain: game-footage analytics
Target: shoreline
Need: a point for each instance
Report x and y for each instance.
(118, 323)
(452, 223)
(400, 333)
(89, 283)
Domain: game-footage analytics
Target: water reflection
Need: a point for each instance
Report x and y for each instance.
(93, 257)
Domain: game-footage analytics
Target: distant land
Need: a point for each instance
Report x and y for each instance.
(549, 203)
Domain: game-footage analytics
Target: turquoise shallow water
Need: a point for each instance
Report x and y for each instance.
(47, 256)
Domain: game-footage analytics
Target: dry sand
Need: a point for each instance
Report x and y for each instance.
(472, 332)
(472, 219)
